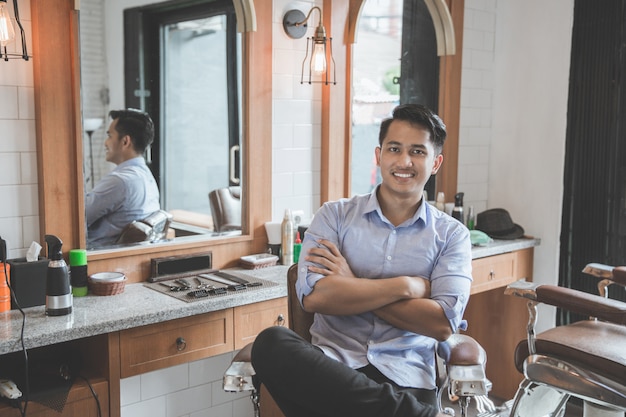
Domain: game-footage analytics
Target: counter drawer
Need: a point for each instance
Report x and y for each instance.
(157, 346)
(252, 318)
(493, 272)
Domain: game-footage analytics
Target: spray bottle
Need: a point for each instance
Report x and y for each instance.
(287, 232)
(457, 211)
(58, 289)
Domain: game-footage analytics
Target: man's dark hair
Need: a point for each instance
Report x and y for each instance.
(418, 115)
(136, 124)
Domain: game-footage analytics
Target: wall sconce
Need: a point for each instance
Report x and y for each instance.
(7, 32)
(320, 59)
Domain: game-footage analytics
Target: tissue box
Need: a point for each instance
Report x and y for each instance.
(28, 280)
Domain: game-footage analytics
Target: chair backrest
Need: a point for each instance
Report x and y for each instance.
(150, 229)
(226, 208)
(299, 320)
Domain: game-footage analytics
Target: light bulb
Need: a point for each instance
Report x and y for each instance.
(318, 60)
(7, 34)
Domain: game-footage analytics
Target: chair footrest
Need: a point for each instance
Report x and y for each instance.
(238, 377)
(468, 381)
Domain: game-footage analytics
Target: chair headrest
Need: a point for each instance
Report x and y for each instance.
(150, 229)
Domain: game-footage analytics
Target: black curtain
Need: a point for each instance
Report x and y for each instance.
(594, 202)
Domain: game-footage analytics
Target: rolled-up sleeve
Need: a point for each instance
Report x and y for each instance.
(451, 280)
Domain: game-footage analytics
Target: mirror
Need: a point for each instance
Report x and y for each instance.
(180, 61)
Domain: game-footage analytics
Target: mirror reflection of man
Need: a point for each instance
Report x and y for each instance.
(129, 192)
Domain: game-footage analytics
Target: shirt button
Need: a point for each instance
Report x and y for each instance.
(388, 257)
(370, 342)
(394, 232)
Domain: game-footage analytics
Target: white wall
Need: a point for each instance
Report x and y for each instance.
(19, 203)
(533, 42)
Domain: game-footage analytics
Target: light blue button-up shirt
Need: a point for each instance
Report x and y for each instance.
(432, 245)
(127, 193)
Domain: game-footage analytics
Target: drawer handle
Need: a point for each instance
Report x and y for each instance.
(181, 344)
(280, 320)
(492, 275)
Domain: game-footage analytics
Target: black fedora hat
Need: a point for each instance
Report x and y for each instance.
(498, 224)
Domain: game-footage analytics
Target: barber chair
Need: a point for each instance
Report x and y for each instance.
(226, 208)
(585, 359)
(150, 229)
(462, 376)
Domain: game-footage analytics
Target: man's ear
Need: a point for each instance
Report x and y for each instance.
(127, 141)
(377, 155)
(437, 164)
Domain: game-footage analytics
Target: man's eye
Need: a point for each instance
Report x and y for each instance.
(417, 152)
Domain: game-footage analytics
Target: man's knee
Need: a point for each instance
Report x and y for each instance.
(269, 344)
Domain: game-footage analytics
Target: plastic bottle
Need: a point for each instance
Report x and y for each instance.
(287, 233)
(5, 293)
(297, 246)
(471, 220)
(78, 272)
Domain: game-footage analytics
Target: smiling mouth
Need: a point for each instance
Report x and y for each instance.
(403, 175)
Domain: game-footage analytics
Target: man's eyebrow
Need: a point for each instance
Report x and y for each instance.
(413, 145)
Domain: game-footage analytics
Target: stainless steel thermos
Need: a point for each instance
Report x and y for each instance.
(58, 289)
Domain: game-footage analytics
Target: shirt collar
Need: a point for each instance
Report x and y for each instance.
(373, 205)
(136, 161)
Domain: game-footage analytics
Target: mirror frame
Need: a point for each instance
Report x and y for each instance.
(56, 71)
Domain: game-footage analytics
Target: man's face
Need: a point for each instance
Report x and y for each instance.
(407, 159)
(115, 145)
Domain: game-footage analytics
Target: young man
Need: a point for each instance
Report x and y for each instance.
(129, 192)
(387, 276)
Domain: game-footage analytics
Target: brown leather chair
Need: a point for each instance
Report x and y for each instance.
(226, 208)
(150, 229)
(462, 378)
(585, 359)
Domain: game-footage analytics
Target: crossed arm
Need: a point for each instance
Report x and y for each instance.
(397, 300)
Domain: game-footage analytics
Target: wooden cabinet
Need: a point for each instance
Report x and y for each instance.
(498, 321)
(493, 272)
(252, 318)
(156, 346)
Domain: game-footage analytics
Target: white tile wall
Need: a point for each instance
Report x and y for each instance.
(19, 204)
(296, 129)
(189, 390)
(476, 101)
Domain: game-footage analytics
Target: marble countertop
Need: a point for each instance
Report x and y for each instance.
(498, 247)
(138, 305)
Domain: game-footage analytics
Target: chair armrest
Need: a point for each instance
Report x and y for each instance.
(460, 349)
(572, 300)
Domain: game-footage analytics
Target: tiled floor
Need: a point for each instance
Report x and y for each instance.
(502, 409)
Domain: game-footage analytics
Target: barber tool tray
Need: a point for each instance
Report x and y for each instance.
(207, 284)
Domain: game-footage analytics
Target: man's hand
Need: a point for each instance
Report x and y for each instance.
(332, 261)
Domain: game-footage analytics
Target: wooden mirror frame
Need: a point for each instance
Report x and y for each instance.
(336, 103)
(59, 143)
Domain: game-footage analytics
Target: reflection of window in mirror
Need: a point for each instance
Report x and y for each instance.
(186, 72)
(395, 61)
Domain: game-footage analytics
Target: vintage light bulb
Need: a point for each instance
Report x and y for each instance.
(7, 33)
(318, 61)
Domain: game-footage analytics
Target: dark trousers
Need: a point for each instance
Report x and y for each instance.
(304, 382)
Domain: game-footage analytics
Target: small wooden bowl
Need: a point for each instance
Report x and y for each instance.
(107, 283)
